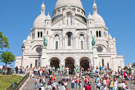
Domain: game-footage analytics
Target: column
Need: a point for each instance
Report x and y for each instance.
(95, 57)
(44, 60)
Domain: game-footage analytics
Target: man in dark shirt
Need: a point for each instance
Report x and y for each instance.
(88, 87)
(134, 76)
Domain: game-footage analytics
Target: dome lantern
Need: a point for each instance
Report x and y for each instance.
(94, 8)
(43, 8)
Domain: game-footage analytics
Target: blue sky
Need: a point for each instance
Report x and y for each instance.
(17, 17)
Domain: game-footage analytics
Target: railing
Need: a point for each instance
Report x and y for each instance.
(16, 86)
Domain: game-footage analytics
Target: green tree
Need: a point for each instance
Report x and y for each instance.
(7, 57)
(3, 41)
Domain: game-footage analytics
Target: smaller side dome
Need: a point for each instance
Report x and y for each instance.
(98, 20)
(48, 17)
(24, 41)
(89, 16)
(28, 38)
(40, 20)
(110, 37)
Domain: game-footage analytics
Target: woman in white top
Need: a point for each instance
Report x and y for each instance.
(115, 84)
(120, 85)
(65, 83)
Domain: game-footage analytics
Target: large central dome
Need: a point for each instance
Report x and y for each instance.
(76, 3)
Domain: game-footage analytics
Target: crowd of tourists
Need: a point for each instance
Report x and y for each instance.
(7, 70)
(51, 78)
(10, 70)
(20, 70)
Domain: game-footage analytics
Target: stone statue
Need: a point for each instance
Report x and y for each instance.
(45, 42)
(69, 19)
(93, 41)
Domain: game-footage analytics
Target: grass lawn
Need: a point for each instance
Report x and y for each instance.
(7, 80)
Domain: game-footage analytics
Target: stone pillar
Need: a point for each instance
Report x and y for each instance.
(77, 64)
(44, 60)
(64, 43)
(76, 43)
(95, 57)
(62, 63)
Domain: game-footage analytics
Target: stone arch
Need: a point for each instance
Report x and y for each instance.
(85, 62)
(56, 56)
(70, 63)
(73, 33)
(56, 33)
(54, 61)
(78, 35)
(68, 10)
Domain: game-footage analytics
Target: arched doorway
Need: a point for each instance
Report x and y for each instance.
(54, 62)
(69, 62)
(84, 63)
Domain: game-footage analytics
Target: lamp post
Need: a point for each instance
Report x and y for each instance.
(23, 47)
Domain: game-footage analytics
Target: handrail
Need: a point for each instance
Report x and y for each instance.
(17, 86)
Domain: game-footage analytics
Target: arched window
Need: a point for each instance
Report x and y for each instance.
(56, 46)
(90, 22)
(36, 63)
(38, 35)
(81, 44)
(41, 34)
(97, 33)
(69, 35)
(102, 62)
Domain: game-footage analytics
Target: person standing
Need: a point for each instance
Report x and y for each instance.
(36, 83)
(104, 87)
(111, 84)
(88, 87)
(16, 69)
(72, 83)
(3, 69)
(55, 84)
(44, 81)
(77, 82)
(115, 84)
(42, 87)
(134, 76)
(85, 81)
(80, 84)
(98, 85)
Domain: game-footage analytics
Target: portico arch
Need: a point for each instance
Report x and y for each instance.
(69, 62)
(54, 62)
(85, 62)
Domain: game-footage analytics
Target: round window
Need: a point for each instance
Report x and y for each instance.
(39, 49)
(99, 48)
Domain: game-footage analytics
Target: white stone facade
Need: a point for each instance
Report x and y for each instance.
(69, 35)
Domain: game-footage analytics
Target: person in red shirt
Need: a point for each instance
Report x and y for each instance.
(88, 87)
